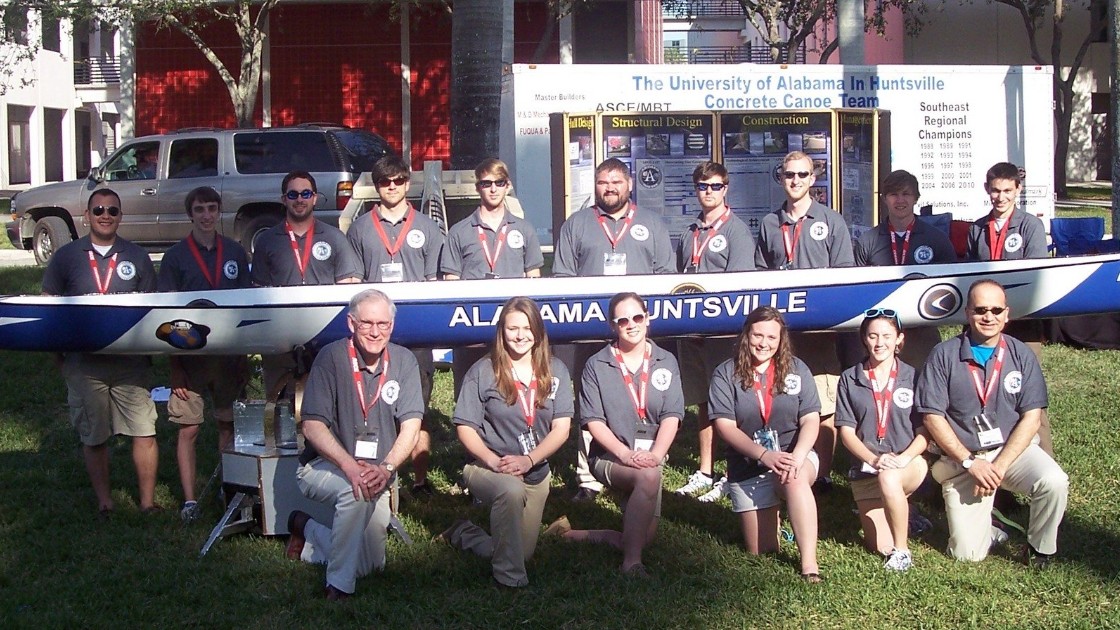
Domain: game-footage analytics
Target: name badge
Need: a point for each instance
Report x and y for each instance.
(490, 275)
(767, 439)
(528, 442)
(644, 435)
(990, 437)
(365, 448)
(392, 272)
(614, 263)
(869, 469)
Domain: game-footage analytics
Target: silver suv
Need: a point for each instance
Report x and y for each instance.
(153, 175)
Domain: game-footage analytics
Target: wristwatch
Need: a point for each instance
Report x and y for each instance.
(967, 463)
(389, 468)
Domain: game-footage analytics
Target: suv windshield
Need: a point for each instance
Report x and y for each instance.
(271, 152)
(364, 147)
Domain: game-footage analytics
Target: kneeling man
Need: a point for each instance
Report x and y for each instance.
(361, 416)
(981, 395)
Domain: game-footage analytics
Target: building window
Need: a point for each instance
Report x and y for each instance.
(15, 24)
(52, 35)
(19, 144)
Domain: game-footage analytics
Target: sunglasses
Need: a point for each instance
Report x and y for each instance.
(306, 193)
(798, 174)
(873, 313)
(397, 181)
(984, 310)
(622, 322)
(487, 183)
(715, 187)
(100, 210)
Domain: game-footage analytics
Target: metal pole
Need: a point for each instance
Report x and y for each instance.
(1114, 21)
(850, 32)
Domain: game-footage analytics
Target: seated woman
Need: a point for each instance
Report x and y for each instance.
(765, 407)
(632, 404)
(513, 413)
(879, 427)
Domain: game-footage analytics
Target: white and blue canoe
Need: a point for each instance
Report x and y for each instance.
(448, 314)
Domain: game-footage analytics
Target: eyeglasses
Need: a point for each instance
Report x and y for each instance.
(984, 310)
(873, 313)
(365, 327)
(396, 181)
(487, 183)
(798, 174)
(100, 210)
(716, 187)
(306, 193)
(622, 322)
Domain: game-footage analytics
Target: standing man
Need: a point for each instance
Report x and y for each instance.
(361, 415)
(1011, 233)
(108, 395)
(300, 251)
(717, 241)
(982, 394)
(395, 243)
(611, 238)
(202, 261)
(803, 234)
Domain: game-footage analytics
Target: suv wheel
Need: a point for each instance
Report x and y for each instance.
(253, 229)
(50, 234)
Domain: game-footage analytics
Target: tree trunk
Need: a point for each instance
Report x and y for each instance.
(481, 51)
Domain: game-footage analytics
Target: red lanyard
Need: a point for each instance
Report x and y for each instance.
(996, 240)
(102, 288)
(637, 393)
(698, 247)
(359, 385)
(882, 399)
(492, 261)
(763, 389)
(901, 260)
(621, 233)
(396, 246)
(528, 402)
(306, 258)
(984, 391)
(791, 245)
(216, 279)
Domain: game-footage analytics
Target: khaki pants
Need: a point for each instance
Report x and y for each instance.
(516, 509)
(1034, 474)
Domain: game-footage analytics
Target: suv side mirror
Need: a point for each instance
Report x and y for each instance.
(95, 175)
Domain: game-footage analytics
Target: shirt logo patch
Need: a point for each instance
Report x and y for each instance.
(321, 250)
(231, 270)
(639, 232)
(718, 243)
(923, 254)
(819, 231)
(126, 270)
(903, 397)
(552, 390)
(661, 379)
(1013, 382)
(1013, 243)
(416, 239)
(390, 392)
(515, 239)
(793, 384)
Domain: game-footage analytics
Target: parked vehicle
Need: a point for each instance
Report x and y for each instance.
(153, 175)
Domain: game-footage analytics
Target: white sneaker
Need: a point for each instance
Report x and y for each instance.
(698, 481)
(718, 491)
(998, 536)
(899, 561)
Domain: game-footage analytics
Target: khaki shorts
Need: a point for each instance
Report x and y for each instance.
(760, 492)
(108, 395)
(698, 359)
(223, 376)
(818, 351)
(867, 488)
(601, 468)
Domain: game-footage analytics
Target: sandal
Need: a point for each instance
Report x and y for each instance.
(812, 578)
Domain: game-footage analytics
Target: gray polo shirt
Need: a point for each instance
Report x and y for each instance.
(855, 407)
(483, 408)
(824, 240)
(463, 255)
(583, 243)
(69, 272)
(604, 396)
(729, 399)
(331, 397)
(730, 248)
(331, 259)
(928, 245)
(179, 270)
(419, 253)
(1026, 237)
(946, 388)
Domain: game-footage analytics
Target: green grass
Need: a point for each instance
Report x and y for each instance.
(1089, 193)
(61, 566)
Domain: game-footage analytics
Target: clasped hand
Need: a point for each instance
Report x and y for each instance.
(367, 479)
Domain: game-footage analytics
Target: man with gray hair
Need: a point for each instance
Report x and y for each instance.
(361, 416)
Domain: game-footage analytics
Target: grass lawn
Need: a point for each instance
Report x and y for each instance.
(61, 566)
